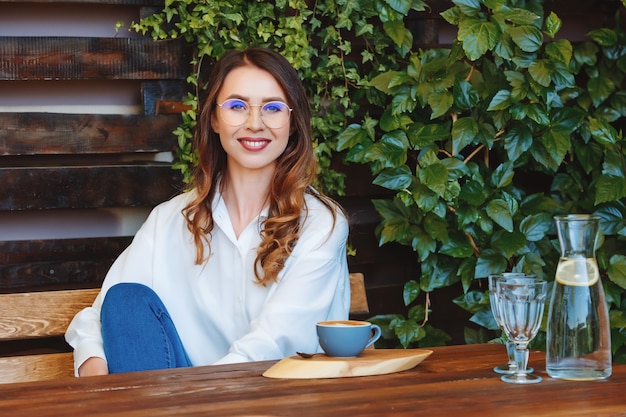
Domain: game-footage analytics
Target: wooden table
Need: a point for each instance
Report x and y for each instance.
(454, 380)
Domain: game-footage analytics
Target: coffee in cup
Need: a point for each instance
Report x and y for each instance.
(346, 338)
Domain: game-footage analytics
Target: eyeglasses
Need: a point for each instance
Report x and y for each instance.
(235, 112)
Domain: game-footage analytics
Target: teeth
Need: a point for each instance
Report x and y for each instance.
(253, 144)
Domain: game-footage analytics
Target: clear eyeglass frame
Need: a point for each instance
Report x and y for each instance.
(274, 114)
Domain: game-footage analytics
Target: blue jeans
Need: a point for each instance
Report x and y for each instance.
(138, 332)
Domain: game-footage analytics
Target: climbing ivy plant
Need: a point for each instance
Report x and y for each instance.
(484, 142)
(481, 143)
(317, 37)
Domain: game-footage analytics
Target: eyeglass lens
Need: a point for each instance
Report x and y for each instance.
(274, 114)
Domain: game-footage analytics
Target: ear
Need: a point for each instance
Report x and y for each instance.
(215, 123)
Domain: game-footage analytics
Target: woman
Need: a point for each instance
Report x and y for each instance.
(242, 266)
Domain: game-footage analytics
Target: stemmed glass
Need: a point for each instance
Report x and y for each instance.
(511, 366)
(521, 305)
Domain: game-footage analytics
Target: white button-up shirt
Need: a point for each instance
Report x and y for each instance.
(222, 315)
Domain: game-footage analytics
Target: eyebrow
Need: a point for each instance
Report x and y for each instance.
(247, 99)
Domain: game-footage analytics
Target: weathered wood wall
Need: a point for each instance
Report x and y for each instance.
(52, 161)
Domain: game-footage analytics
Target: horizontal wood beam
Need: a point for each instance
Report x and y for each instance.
(111, 2)
(26, 265)
(125, 185)
(41, 314)
(75, 58)
(54, 134)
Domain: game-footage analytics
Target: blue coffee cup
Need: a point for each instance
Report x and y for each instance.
(346, 338)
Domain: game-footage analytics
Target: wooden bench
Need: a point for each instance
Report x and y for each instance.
(48, 313)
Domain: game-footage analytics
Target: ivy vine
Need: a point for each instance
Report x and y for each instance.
(481, 142)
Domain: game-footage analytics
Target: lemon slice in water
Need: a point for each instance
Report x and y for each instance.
(577, 272)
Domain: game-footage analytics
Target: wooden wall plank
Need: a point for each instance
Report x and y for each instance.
(124, 185)
(57, 263)
(74, 58)
(111, 2)
(54, 134)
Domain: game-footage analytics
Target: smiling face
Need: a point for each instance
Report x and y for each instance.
(251, 146)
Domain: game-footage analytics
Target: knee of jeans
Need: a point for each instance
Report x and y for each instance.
(126, 291)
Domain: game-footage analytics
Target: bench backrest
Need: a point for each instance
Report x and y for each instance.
(39, 315)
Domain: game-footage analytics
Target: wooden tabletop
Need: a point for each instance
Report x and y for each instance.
(454, 380)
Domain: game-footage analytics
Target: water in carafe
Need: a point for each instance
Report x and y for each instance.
(578, 344)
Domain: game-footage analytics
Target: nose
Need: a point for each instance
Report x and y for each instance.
(255, 121)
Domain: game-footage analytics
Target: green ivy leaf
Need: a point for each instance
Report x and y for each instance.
(440, 102)
(423, 135)
(613, 163)
(411, 291)
(538, 203)
(477, 37)
(435, 177)
(465, 95)
(515, 15)
(600, 88)
(425, 199)
(560, 50)
(567, 119)
(502, 175)
(485, 319)
(517, 140)
(586, 53)
(468, 5)
(500, 101)
(602, 131)
(603, 36)
(508, 243)
(391, 149)
(383, 80)
(490, 261)
(398, 178)
(474, 193)
(350, 137)
(464, 132)
(540, 71)
(535, 226)
(617, 270)
(527, 38)
(396, 31)
(498, 211)
(557, 144)
(417, 313)
(458, 246)
(424, 245)
(537, 113)
(408, 332)
(609, 188)
(553, 24)
(436, 227)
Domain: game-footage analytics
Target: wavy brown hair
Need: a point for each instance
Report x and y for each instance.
(293, 177)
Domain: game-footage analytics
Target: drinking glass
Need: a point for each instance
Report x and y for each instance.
(521, 305)
(509, 367)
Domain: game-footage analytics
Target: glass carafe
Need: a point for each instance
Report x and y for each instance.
(578, 344)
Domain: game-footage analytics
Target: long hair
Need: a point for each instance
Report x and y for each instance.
(293, 176)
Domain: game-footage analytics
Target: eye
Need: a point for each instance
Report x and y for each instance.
(235, 105)
(275, 107)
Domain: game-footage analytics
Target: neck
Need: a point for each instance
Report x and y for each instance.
(244, 199)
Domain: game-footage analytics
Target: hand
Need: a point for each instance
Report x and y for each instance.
(93, 366)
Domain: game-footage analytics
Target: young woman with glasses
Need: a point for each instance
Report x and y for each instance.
(240, 267)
